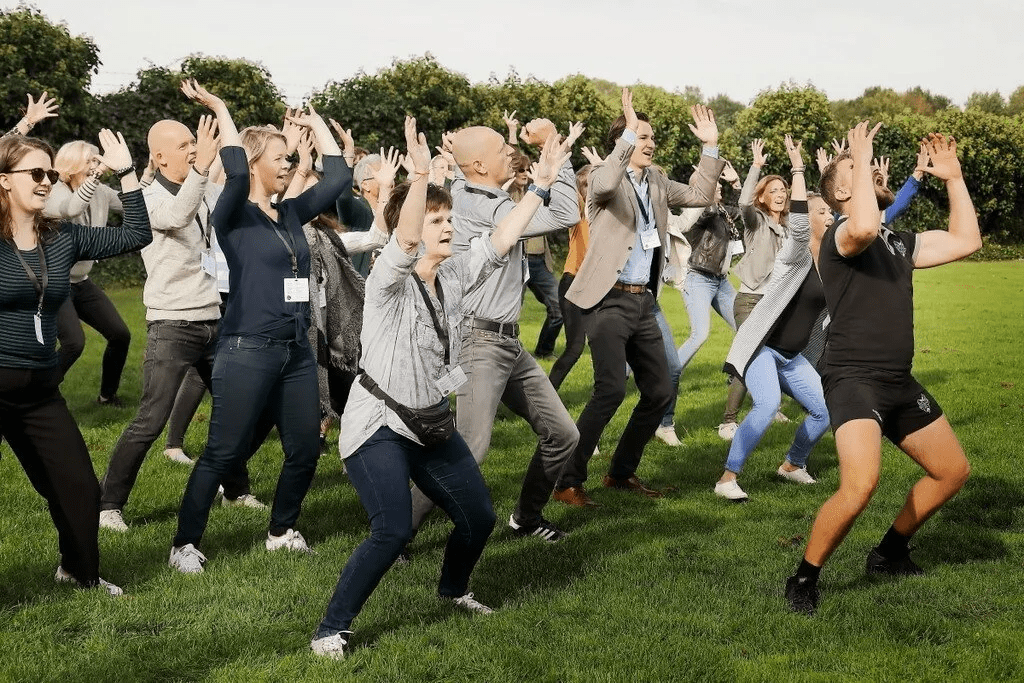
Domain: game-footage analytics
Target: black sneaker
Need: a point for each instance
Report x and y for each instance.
(880, 564)
(802, 594)
(113, 401)
(543, 529)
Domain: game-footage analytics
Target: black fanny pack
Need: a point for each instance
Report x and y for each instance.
(432, 426)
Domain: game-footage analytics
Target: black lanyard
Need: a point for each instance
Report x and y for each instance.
(205, 232)
(640, 202)
(442, 333)
(40, 287)
(289, 247)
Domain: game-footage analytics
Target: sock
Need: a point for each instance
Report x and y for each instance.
(808, 571)
(894, 545)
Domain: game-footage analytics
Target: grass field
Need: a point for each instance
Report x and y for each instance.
(688, 587)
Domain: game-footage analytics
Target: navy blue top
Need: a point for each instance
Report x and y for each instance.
(257, 258)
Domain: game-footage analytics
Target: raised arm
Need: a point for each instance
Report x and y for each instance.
(909, 190)
(562, 211)
(863, 216)
(385, 177)
(795, 246)
(409, 230)
(36, 111)
(512, 123)
(606, 178)
(302, 170)
(746, 201)
(337, 175)
(702, 191)
(963, 238)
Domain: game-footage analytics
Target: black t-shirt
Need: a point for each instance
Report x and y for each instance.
(870, 300)
(793, 329)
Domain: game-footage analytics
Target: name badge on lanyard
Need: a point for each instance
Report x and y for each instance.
(296, 289)
(451, 380)
(650, 239)
(735, 247)
(209, 263)
(38, 283)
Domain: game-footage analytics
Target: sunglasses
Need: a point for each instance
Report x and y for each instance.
(38, 174)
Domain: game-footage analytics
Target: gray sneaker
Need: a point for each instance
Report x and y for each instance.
(187, 559)
(246, 500)
(335, 646)
(62, 576)
(112, 519)
(471, 604)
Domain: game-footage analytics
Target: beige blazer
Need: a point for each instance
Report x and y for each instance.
(612, 206)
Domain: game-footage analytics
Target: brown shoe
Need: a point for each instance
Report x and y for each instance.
(575, 496)
(631, 484)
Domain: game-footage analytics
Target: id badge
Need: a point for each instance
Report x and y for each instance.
(296, 289)
(649, 238)
(38, 320)
(526, 270)
(735, 247)
(209, 263)
(451, 380)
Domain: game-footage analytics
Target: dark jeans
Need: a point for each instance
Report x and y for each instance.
(742, 306)
(542, 284)
(575, 334)
(35, 421)
(622, 329)
(254, 376)
(90, 305)
(380, 471)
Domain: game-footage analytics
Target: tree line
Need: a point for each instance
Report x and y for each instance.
(38, 55)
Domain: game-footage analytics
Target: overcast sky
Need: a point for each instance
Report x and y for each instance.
(736, 47)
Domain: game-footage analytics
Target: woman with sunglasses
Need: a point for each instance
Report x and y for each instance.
(36, 256)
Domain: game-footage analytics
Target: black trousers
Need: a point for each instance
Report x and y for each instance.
(35, 421)
(622, 329)
(90, 305)
(575, 334)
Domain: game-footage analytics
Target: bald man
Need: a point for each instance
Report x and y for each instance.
(497, 367)
(181, 297)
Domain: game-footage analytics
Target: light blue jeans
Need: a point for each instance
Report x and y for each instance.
(701, 293)
(769, 374)
(675, 368)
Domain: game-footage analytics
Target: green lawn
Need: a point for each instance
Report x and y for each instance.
(684, 588)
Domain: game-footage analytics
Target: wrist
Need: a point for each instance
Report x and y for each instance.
(122, 173)
(543, 190)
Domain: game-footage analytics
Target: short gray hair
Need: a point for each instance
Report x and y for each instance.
(363, 169)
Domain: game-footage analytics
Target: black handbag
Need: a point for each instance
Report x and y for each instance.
(433, 425)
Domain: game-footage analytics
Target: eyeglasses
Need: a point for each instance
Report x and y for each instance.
(38, 174)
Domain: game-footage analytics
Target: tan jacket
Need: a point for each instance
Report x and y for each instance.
(612, 206)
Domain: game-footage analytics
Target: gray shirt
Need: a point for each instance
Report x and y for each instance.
(401, 349)
(476, 210)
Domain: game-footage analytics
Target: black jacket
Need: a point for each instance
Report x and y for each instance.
(709, 239)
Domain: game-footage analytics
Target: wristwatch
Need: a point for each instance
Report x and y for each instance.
(545, 195)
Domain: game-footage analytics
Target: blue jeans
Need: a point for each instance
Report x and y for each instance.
(769, 374)
(675, 368)
(380, 470)
(252, 375)
(542, 284)
(702, 292)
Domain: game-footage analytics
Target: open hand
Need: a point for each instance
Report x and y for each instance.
(632, 122)
(116, 154)
(704, 126)
(41, 109)
(862, 142)
(793, 150)
(418, 153)
(200, 95)
(575, 131)
(207, 143)
(942, 157)
(389, 164)
(729, 174)
(291, 130)
(839, 145)
(552, 156)
(881, 164)
(591, 154)
(757, 148)
(823, 158)
(305, 149)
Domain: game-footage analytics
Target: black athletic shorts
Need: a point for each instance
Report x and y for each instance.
(897, 402)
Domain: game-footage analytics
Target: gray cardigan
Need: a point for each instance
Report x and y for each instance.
(762, 238)
(788, 272)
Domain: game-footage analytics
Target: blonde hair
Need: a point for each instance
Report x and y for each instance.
(256, 138)
(73, 158)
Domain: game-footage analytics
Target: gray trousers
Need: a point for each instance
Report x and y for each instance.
(499, 369)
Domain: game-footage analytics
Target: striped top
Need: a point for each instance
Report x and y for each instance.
(71, 243)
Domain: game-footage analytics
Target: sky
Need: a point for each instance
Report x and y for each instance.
(735, 47)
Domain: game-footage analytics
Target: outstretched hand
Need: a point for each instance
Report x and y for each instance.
(305, 149)
(553, 155)
(793, 149)
(417, 152)
(291, 130)
(862, 142)
(729, 174)
(823, 158)
(704, 126)
(200, 95)
(116, 154)
(839, 145)
(41, 109)
(575, 131)
(390, 162)
(207, 143)
(881, 164)
(512, 123)
(592, 155)
(632, 122)
(757, 148)
(942, 157)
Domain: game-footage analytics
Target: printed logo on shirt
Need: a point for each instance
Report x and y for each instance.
(924, 404)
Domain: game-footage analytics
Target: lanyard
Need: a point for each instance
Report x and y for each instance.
(640, 201)
(289, 247)
(39, 287)
(442, 333)
(205, 232)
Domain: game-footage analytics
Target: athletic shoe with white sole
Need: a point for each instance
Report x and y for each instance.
(335, 647)
(177, 455)
(112, 519)
(63, 576)
(730, 490)
(246, 500)
(471, 604)
(800, 476)
(187, 559)
(727, 430)
(668, 435)
(289, 540)
(542, 529)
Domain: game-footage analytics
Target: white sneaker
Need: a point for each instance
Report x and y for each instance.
(730, 490)
(63, 577)
(780, 417)
(177, 455)
(187, 559)
(471, 604)
(800, 476)
(246, 500)
(112, 519)
(597, 450)
(334, 646)
(727, 430)
(289, 540)
(668, 435)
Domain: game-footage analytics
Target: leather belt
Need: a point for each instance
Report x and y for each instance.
(506, 329)
(632, 289)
